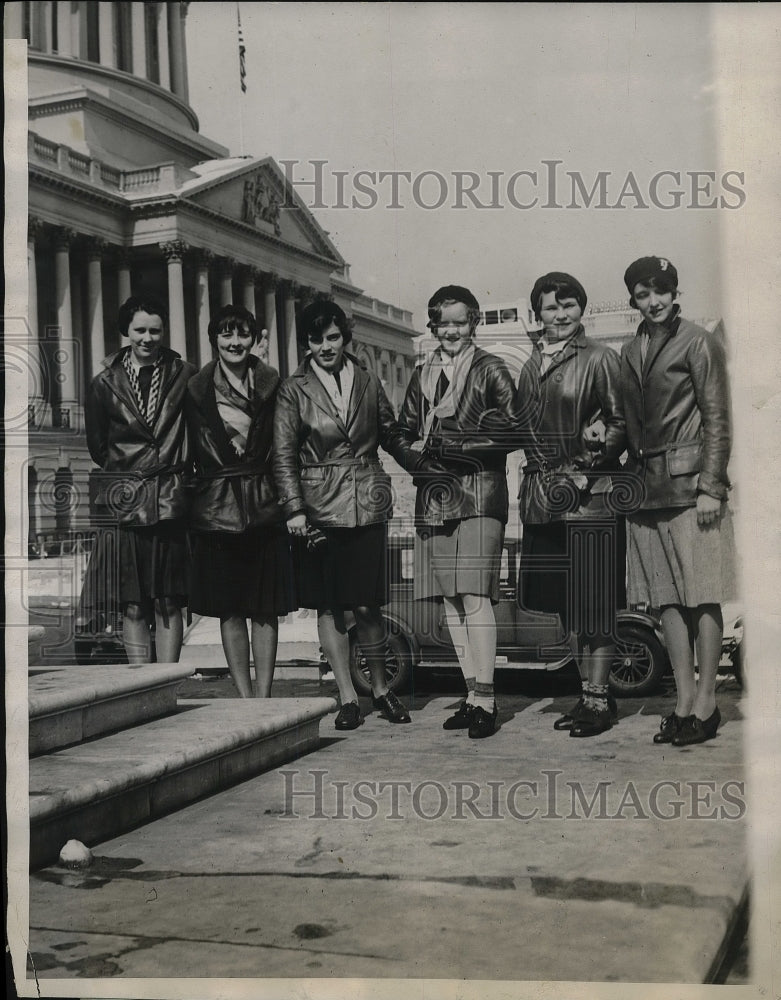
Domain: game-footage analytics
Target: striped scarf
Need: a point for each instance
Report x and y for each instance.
(149, 408)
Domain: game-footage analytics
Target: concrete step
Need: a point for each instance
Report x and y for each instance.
(75, 703)
(108, 786)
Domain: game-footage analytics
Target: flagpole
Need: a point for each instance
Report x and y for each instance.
(242, 75)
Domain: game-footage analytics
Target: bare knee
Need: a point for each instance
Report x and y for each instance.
(166, 608)
(135, 612)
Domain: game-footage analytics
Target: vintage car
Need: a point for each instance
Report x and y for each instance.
(418, 636)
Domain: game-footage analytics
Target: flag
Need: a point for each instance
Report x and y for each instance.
(242, 66)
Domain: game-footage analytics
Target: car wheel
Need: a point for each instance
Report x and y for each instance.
(640, 662)
(398, 662)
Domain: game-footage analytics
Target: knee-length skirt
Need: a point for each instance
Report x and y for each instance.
(136, 565)
(577, 569)
(248, 574)
(459, 557)
(672, 560)
(348, 570)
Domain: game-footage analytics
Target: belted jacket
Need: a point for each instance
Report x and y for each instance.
(146, 467)
(562, 478)
(328, 468)
(677, 415)
(468, 452)
(232, 493)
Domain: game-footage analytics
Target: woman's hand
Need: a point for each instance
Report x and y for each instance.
(593, 436)
(708, 510)
(296, 525)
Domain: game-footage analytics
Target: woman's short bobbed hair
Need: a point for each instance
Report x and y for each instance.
(450, 295)
(140, 303)
(563, 285)
(317, 317)
(230, 318)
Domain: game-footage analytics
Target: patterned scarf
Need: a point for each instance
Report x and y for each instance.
(235, 408)
(429, 379)
(148, 408)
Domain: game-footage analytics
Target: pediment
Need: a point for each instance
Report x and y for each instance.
(258, 194)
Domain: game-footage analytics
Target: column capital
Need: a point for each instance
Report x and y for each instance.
(34, 227)
(291, 287)
(225, 267)
(271, 282)
(173, 250)
(251, 273)
(63, 237)
(203, 257)
(122, 255)
(97, 247)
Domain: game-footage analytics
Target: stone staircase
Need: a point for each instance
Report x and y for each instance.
(111, 748)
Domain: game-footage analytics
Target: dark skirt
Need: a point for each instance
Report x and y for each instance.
(247, 574)
(136, 565)
(576, 569)
(349, 570)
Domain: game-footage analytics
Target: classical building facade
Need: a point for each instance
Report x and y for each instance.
(126, 195)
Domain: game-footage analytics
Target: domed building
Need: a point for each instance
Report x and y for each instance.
(126, 195)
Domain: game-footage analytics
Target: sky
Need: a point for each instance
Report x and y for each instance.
(623, 91)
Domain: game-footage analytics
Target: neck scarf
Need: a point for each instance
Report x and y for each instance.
(234, 406)
(147, 400)
(457, 370)
(338, 393)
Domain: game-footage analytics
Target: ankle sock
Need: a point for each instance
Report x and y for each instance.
(595, 696)
(484, 696)
(470, 690)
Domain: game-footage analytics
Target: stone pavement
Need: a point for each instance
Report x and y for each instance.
(406, 852)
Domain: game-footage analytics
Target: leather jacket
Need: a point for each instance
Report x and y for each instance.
(327, 468)
(467, 454)
(232, 493)
(677, 415)
(562, 478)
(146, 470)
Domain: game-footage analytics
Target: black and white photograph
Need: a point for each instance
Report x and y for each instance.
(391, 554)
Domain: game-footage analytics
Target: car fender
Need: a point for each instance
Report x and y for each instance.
(635, 617)
(401, 624)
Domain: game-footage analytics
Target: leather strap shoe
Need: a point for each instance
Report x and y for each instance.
(461, 719)
(391, 707)
(482, 723)
(592, 722)
(349, 716)
(668, 729)
(566, 721)
(694, 730)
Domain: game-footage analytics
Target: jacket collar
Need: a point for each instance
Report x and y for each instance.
(120, 383)
(655, 345)
(569, 349)
(314, 388)
(266, 381)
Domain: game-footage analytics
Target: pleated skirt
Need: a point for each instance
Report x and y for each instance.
(248, 574)
(459, 557)
(349, 570)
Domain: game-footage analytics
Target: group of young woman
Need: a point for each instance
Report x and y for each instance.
(244, 497)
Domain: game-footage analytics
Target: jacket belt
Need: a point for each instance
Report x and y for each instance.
(662, 449)
(145, 473)
(361, 461)
(233, 471)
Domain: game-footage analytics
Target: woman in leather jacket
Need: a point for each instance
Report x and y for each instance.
(136, 434)
(573, 554)
(241, 562)
(459, 413)
(680, 540)
(331, 417)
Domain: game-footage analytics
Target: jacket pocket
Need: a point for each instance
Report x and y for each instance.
(685, 459)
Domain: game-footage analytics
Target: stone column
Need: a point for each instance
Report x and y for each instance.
(97, 332)
(64, 355)
(138, 39)
(35, 385)
(174, 252)
(226, 282)
(123, 275)
(249, 278)
(64, 29)
(291, 333)
(178, 49)
(162, 46)
(106, 34)
(203, 259)
(270, 319)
